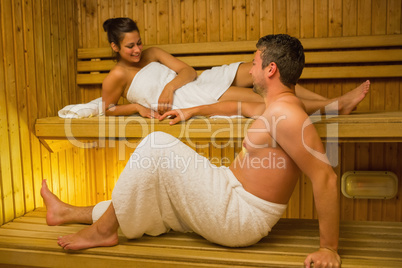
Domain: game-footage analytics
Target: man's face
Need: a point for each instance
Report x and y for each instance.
(257, 73)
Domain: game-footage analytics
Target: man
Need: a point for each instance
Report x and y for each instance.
(166, 185)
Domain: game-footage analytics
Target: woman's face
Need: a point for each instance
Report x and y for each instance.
(131, 47)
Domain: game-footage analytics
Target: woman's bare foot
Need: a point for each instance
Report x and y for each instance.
(95, 235)
(348, 102)
(57, 211)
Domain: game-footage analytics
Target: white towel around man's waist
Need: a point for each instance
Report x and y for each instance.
(166, 186)
(84, 110)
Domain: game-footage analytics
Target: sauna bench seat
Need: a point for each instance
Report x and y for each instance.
(365, 57)
(357, 127)
(28, 241)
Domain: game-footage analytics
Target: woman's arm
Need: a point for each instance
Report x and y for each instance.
(185, 74)
(226, 108)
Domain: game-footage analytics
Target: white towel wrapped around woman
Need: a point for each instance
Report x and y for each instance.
(149, 82)
(166, 186)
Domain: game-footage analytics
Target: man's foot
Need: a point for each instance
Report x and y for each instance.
(57, 210)
(93, 236)
(348, 102)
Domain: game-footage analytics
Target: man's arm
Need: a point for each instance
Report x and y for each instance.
(299, 139)
(226, 108)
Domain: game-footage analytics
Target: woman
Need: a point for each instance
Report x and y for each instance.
(164, 82)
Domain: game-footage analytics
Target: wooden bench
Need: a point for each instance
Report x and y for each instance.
(326, 58)
(28, 241)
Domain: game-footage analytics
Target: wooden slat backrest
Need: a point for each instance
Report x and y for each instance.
(335, 57)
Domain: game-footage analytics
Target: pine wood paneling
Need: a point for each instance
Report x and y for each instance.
(37, 73)
(37, 77)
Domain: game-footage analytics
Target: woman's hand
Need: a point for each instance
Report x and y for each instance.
(165, 101)
(147, 112)
(178, 115)
(323, 258)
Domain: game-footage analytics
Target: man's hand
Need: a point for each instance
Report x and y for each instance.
(146, 112)
(178, 115)
(323, 258)
(165, 101)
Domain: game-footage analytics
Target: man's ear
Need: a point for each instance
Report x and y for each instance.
(271, 69)
(115, 47)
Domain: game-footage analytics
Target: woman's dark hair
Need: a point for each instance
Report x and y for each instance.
(117, 27)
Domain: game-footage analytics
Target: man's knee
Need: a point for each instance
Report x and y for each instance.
(158, 140)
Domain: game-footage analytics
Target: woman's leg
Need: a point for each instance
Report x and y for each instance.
(235, 93)
(344, 104)
(304, 93)
(59, 212)
(241, 90)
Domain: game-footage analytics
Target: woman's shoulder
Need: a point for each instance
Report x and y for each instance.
(117, 76)
(153, 54)
(117, 72)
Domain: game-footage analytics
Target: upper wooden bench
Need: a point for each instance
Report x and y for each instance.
(335, 57)
(326, 58)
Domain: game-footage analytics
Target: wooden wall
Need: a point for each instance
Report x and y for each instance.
(38, 45)
(37, 77)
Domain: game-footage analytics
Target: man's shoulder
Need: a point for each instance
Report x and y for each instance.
(286, 106)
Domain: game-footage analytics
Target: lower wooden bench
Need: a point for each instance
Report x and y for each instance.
(28, 241)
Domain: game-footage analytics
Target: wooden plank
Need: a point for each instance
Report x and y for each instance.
(11, 89)
(351, 72)
(6, 198)
(90, 79)
(32, 94)
(360, 56)
(308, 72)
(239, 20)
(352, 42)
(379, 17)
(364, 9)
(394, 23)
(150, 20)
(335, 18)
(356, 127)
(26, 188)
(213, 19)
(249, 46)
(253, 20)
(343, 57)
(200, 21)
(349, 18)
(371, 244)
(266, 18)
(163, 22)
(92, 66)
(226, 20)
(55, 146)
(279, 18)
(321, 19)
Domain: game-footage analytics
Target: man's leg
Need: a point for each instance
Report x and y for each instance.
(59, 212)
(103, 233)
